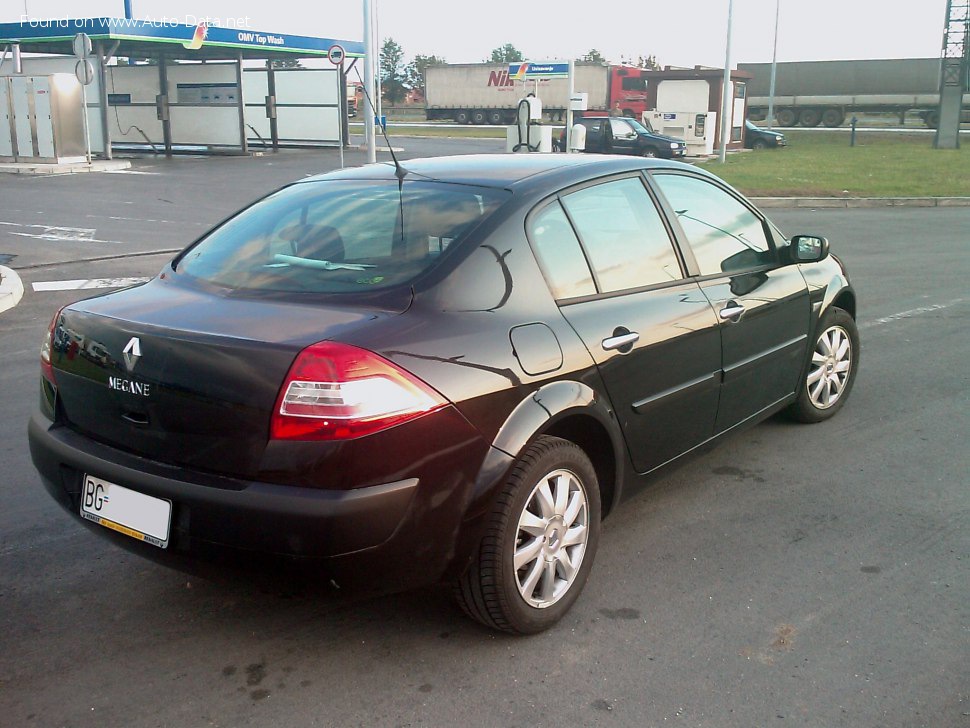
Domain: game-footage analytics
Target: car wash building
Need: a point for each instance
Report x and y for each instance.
(194, 87)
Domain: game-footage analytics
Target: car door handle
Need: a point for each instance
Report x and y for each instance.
(618, 342)
(731, 312)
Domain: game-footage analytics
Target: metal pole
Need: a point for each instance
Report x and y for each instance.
(241, 107)
(379, 97)
(727, 95)
(103, 99)
(369, 83)
(774, 68)
(274, 127)
(163, 92)
(569, 107)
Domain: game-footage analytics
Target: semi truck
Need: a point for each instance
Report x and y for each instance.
(809, 93)
(484, 93)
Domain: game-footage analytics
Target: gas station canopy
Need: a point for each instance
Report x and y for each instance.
(146, 38)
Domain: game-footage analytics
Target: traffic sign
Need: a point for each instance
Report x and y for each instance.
(84, 70)
(82, 45)
(337, 55)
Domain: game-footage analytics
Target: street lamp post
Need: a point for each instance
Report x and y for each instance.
(774, 68)
(727, 96)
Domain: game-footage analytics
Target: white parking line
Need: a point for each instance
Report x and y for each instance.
(911, 313)
(11, 288)
(87, 283)
(59, 234)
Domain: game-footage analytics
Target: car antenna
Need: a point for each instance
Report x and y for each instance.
(399, 171)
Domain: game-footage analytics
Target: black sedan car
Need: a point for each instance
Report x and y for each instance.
(451, 371)
(757, 138)
(622, 135)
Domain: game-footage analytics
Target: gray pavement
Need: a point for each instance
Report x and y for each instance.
(797, 575)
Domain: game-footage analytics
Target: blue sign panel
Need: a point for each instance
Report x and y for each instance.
(538, 69)
(204, 34)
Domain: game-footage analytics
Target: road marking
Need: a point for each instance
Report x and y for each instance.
(83, 284)
(910, 313)
(11, 288)
(58, 234)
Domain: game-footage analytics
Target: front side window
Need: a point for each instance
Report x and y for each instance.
(623, 235)
(723, 233)
(339, 236)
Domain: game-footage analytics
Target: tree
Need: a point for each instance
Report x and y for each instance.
(592, 56)
(648, 63)
(507, 53)
(414, 72)
(287, 63)
(392, 71)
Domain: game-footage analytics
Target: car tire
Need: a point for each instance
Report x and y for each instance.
(551, 495)
(648, 152)
(461, 117)
(832, 367)
(759, 144)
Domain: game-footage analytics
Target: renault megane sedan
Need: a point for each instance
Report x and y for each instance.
(451, 370)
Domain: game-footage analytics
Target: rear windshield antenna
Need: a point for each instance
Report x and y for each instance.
(399, 171)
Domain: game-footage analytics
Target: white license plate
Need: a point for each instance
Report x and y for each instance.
(126, 511)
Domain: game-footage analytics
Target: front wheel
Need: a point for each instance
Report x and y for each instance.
(759, 144)
(648, 152)
(539, 544)
(831, 370)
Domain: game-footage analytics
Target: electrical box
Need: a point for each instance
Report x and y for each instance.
(696, 128)
(41, 119)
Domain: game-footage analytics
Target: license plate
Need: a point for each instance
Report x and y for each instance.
(126, 511)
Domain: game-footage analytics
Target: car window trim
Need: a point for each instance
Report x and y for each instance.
(652, 174)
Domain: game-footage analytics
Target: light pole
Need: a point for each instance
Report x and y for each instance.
(369, 82)
(727, 94)
(774, 68)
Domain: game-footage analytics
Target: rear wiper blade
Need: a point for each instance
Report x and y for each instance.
(319, 264)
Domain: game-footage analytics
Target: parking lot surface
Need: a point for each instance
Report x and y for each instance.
(796, 575)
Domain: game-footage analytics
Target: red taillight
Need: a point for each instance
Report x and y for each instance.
(46, 368)
(339, 392)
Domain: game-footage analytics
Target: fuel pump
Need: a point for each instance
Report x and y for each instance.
(527, 114)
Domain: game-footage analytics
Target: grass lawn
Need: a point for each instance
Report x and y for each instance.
(822, 164)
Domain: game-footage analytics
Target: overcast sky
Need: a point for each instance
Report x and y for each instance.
(684, 33)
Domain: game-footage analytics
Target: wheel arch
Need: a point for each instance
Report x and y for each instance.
(575, 412)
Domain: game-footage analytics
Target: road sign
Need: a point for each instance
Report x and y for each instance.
(337, 55)
(84, 70)
(82, 46)
(538, 69)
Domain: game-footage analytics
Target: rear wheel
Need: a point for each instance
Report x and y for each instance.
(461, 116)
(495, 117)
(809, 117)
(479, 116)
(786, 117)
(832, 117)
(832, 368)
(539, 544)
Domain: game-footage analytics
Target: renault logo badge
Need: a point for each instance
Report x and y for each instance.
(132, 353)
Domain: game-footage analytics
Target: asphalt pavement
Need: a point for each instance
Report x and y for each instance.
(797, 575)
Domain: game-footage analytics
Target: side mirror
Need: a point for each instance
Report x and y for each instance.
(808, 248)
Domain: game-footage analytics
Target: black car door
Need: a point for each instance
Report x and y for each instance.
(625, 137)
(611, 264)
(762, 305)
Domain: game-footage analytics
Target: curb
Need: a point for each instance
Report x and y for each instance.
(860, 202)
(113, 165)
(11, 288)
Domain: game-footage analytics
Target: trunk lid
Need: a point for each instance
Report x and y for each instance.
(186, 376)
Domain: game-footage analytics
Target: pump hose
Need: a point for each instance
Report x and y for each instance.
(518, 126)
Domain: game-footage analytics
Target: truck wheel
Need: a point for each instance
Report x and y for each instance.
(494, 118)
(809, 117)
(479, 117)
(539, 544)
(832, 117)
(786, 117)
(932, 119)
(461, 116)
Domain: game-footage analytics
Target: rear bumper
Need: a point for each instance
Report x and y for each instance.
(406, 528)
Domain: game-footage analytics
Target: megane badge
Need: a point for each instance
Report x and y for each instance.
(132, 353)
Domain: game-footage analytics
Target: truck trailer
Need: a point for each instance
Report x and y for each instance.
(484, 93)
(810, 93)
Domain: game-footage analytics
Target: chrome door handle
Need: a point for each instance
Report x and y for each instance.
(731, 312)
(618, 342)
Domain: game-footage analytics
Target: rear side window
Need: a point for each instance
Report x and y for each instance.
(623, 235)
(339, 236)
(559, 254)
(724, 234)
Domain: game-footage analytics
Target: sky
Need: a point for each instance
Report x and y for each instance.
(676, 33)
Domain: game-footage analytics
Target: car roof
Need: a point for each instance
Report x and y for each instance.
(501, 170)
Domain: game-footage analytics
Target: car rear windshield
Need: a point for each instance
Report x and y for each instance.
(339, 236)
